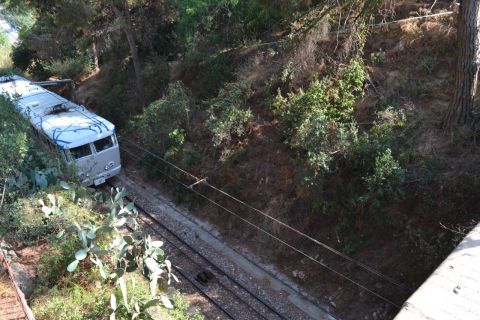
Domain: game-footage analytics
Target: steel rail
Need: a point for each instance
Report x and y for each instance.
(273, 219)
(192, 282)
(313, 259)
(209, 262)
(271, 274)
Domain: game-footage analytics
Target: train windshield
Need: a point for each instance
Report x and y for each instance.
(81, 151)
(104, 144)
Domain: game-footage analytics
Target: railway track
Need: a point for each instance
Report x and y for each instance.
(231, 299)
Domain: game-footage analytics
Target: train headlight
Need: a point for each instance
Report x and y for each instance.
(109, 165)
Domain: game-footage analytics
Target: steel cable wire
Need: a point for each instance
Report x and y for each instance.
(316, 241)
(331, 269)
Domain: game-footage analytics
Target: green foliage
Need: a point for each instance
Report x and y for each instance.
(213, 73)
(21, 222)
(319, 124)
(134, 302)
(70, 68)
(181, 310)
(226, 120)
(22, 56)
(378, 175)
(4, 42)
(112, 274)
(227, 21)
(333, 97)
(53, 264)
(124, 254)
(319, 121)
(156, 74)
(377, 58)
(164, 122)
(14, 138)
(322, 139)
(384, 183)
(19, 14)
(72, 303)
(428, 64)
(176, 141)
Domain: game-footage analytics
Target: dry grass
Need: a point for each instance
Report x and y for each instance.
(308, 51)
(5, 60)
(432, 33)
(6, 289)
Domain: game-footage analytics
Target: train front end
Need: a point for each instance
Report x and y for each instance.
(95, 161)
(88, 142)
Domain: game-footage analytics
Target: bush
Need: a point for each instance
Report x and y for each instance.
(214, 71)
(333, 97)
(384, 183)
(70, 68)
(428, 64)
(226, 120)
(176, 141)
(182, 310)
(22, 56)
(14, 138)
(74, 303)
(157, 75)
(22, 223)
(39, 70)
(377, 58)
(319, 122)
(377, 175)
(4, 41)
(53, 264)
(164, 123)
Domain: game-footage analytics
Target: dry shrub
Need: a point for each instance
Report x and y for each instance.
(411, 33)
(305, 56)
(293, 63)
(440, 34)
(260, 67)
(387, 9)
(6, 289)
(435, 33)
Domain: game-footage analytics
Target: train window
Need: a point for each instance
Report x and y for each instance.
(104, 144)
(81, 151)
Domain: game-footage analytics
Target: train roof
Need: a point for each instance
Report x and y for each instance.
(67, 124)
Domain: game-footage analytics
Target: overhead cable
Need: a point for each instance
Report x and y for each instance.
(338, 273)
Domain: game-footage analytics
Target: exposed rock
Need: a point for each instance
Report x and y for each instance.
(24, 277)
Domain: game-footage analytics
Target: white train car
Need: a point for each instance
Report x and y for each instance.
(87, 141)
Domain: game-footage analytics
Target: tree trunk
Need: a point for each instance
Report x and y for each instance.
(95, 55)
(468, 62)
(128, 29)
(3, 193)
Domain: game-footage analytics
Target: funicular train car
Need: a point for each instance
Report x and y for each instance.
(86, 141)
